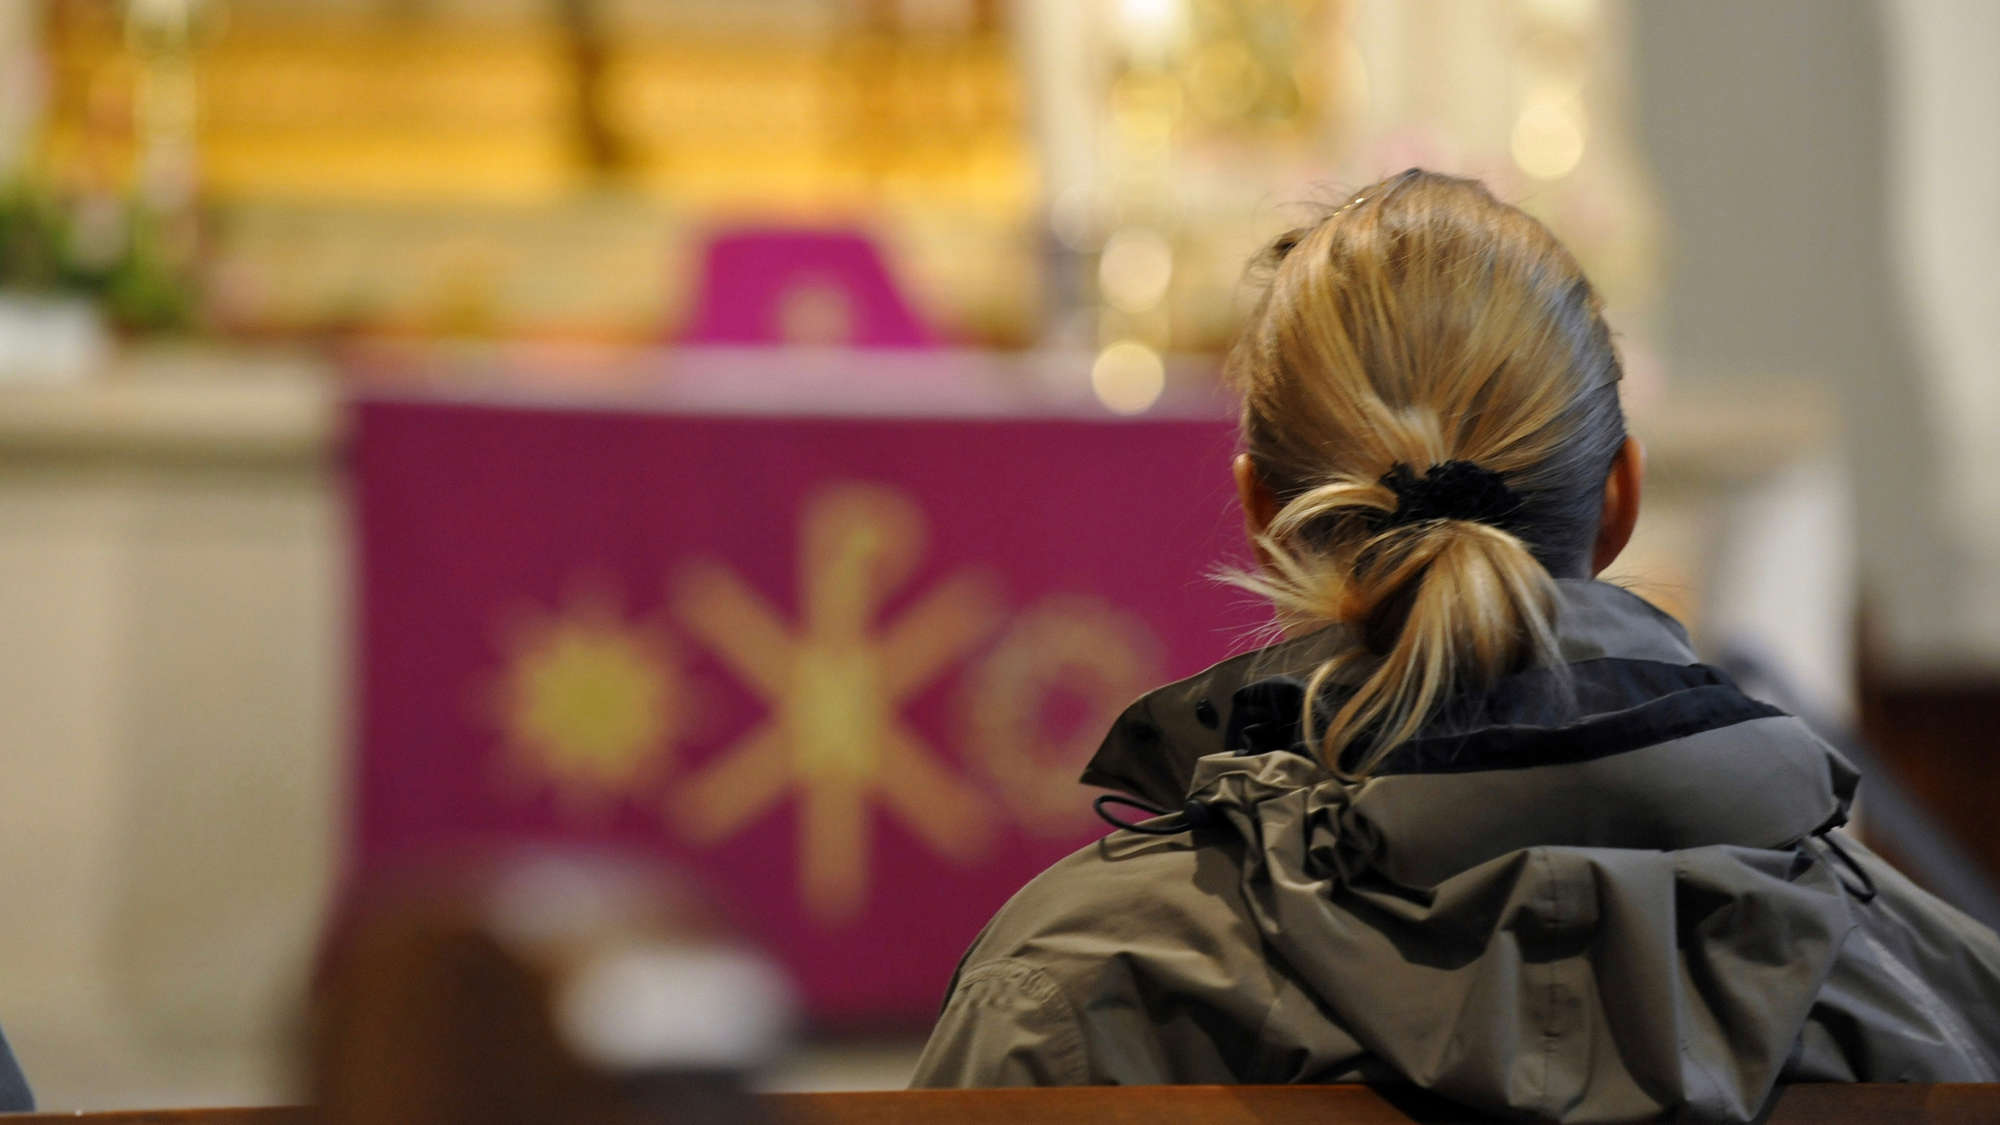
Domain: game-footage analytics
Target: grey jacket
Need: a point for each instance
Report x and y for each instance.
(1595, 897)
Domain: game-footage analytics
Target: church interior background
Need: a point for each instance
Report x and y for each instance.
(690, 428)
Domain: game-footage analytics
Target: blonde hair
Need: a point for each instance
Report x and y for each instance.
(1423, 323)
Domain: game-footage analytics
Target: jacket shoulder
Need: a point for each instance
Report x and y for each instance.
(1121, 892)
(1915, 993)
(1131, 961)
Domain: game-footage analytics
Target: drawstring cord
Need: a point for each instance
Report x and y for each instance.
(1348, 852)
(1197, 814)
(1194, 814)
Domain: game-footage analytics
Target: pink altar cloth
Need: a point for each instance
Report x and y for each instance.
(842, 671)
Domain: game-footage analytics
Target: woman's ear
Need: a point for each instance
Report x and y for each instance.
(1621, 504)
(1259, 505)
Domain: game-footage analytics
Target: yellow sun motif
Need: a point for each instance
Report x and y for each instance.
(588, 701)
(835, 737)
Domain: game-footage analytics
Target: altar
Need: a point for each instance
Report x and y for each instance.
(840, 669)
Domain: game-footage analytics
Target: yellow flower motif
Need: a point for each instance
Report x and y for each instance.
(835, 737)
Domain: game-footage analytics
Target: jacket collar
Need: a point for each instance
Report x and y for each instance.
(1569, 774)
(1151, 749)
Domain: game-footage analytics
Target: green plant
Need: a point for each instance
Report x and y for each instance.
(110, 250)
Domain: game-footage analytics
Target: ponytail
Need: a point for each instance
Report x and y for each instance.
(1436, 605)
(1431, 394)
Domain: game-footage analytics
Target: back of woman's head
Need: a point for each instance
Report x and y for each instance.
(1430, 397)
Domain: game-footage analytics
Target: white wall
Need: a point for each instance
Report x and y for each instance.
(1826, 172)
(1943, 96)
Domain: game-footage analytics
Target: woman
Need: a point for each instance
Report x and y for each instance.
(1482, 823)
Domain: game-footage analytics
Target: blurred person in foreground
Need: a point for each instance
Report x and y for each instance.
(15, 1097)
(540, 987)
(1481, 822)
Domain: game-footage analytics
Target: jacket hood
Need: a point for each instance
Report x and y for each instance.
(1578, 896)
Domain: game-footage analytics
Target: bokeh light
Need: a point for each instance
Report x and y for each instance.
(1128, 377)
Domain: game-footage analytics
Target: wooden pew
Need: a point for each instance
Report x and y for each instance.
(1211, 1105)
(436, 1006)
(1323, 1105)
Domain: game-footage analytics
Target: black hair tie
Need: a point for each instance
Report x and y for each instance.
(1449, 490)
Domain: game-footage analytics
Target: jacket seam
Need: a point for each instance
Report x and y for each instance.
(1549, 1035)
(1957, 1036)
